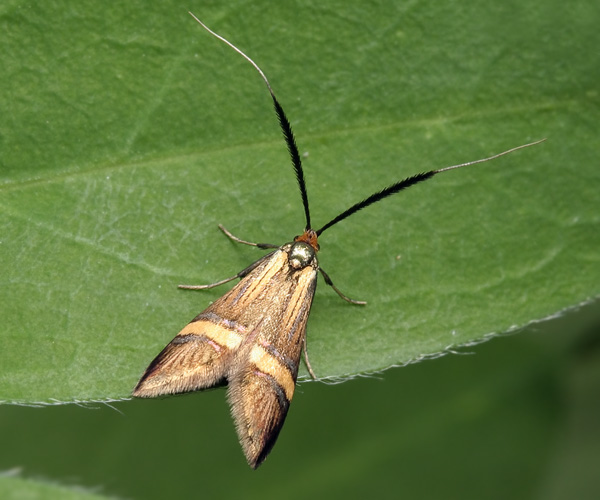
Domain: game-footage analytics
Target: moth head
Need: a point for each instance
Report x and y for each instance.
(309, 236)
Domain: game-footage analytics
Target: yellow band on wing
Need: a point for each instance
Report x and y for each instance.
(268, 364)
(218, 333)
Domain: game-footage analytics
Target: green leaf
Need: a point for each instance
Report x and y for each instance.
(129, 133)
(13, 487)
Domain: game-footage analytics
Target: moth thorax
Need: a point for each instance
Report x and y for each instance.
(301, 255)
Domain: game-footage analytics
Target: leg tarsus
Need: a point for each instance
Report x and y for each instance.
(241, 274)
(347, 299)
(306, 361)
(210, 285)
(238, 240)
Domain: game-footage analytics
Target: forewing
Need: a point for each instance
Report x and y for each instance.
(198, 357)
(263, 373)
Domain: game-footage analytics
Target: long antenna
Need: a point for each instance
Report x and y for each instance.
(284, 123)
(286, 128)
(411, 181)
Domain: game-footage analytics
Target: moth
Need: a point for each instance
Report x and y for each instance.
(252, 337)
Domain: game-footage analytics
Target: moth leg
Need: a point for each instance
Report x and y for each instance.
(241, 274)
(210, 285)
(238, 240)
(306, 361)
(347, 299)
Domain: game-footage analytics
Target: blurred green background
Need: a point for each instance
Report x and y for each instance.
(516, 417)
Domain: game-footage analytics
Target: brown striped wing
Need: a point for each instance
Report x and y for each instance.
(263, 374)
(252, 338)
